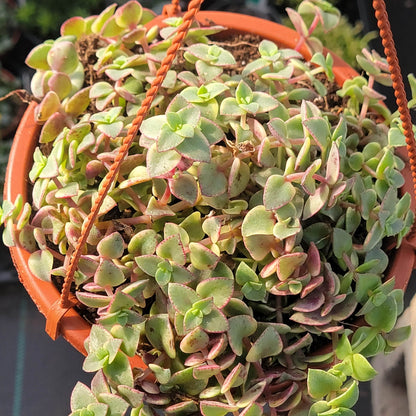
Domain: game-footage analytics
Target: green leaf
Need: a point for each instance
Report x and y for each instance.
(182, 297)
(240, 326)
(202, 258)
(211, 180)
(397, 336)
(277, 192)
(185, 187)
(40, 264)
(215, 321)
(343, 349)
(194, 341)
(319, 130)
(160, 334)
(245, 273)
(288, 263)
(362, 369)
(396, 137)
(269, 344)
(347, 399)
(171, 248)
(384, 316)
(258, 221)
(111, 246)
(341, 242)
(321, 383)
(108, 274)
(211, 408)
(161, 163)
(219, 288)
(81, 397)
(119, 370)
(151, 127)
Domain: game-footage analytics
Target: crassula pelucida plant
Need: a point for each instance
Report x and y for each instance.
(245, 230)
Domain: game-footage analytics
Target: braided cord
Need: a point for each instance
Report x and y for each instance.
(108, 180)
(399, 91)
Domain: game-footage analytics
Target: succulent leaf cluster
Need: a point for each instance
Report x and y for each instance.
(246, 229)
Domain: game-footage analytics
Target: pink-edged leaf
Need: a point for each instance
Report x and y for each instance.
(211, 180)
(288, 263)
(160, 163)
(184, 187)
(219, 288)
(331, 302)
(202, 258)
(206, 371)
(195, 359)
(49, 105)
(312, 285)
(219, 344)
(211, 408)
(269, 344)
(281, 397)
(345, 309)
(215, 322)
(194, 341)
(53, 126)
(241, 326)
(303, 342)
(311, 318)
(269, 269)
(259, 246)
(234, 378)
(182, 297)
(93, 300)
(171, 248)
(75, 26)
(297, 22)
(252, 394)
(316, 201)
(314, 260)
(182, 408)
(61, 84)
(310, 303)
(226, 361)
(238, 178)
(332, 165)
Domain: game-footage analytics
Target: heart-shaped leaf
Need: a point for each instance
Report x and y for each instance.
(277, 192)
(269, 344)
(321, 383)
(219, 288)
(241, 326)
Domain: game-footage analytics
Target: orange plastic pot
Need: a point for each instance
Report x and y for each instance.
(45, 295)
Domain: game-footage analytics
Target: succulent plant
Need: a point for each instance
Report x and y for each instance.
(246, 230)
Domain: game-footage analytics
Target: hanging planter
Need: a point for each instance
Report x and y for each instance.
(248, 223)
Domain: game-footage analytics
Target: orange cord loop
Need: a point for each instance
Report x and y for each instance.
(109, 179)
(399, 91)
(173, 9)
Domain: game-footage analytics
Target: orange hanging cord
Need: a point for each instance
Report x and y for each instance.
(59, 309)
(398, 86)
